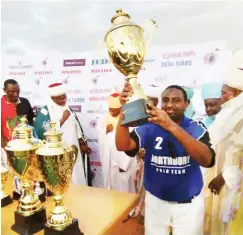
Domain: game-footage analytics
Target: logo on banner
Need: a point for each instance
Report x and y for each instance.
(20, 65)
(74, 62)
(101, 70)
(93, 123)
(39, 73)
(100, 61)
(74, 91)
(65, 80)
(210, 58)
(67, 72)
(44, 62)
(92, 140)
(37, 81)
(95, 80)
(17, 73)
(159, 79)
(76, 100)
(149, 60)
(76, 108)
(103, 94)
(95, 163)
(95, 153)
(100, 91)
(100, 110)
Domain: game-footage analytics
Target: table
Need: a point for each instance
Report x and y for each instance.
(99, 211)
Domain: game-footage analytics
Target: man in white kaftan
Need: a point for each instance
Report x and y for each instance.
(118, 169)
(223, 182)
(67, 123)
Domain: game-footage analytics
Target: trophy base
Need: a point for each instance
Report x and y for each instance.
(72, 229)
(16, 196)
(6, 201)
(27, 225)
(135, 113)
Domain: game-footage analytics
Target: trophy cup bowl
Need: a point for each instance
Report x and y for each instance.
(56, 161)
(5, 198)
(126, 49)
(30, 215)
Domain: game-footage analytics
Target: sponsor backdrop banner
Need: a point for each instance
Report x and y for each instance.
(90, 78)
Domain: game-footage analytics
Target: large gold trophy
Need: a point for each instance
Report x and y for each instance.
(30, 215)
(126, 49)
(56, 161)
(5, 198)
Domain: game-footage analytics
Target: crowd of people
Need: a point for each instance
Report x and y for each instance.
(188, 172)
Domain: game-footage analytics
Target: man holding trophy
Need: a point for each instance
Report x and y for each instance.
(175, 146)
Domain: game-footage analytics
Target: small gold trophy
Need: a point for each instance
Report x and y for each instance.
(5, 198)
(56, 161)
(126, 49)
(30, 215)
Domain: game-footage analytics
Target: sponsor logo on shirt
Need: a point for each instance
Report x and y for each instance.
(74, 62)
(169, 165)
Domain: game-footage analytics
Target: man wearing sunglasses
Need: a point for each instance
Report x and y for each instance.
(175, 148)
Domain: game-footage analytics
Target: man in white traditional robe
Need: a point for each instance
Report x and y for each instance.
(118, 169)
(224, 182)
(67, 123)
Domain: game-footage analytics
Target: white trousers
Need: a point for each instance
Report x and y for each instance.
(183, 219)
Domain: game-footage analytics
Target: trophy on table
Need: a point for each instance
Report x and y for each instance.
(126, 48)
(56, 161)
(30, 215)
(5, 198)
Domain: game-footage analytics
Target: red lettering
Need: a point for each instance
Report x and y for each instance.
(101, 70)
(71, 71)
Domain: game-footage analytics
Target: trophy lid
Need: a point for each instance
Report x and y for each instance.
(52, 135)
(118, 14)
(23, 131)
(22, 138)
(121, 19)
(54, 145)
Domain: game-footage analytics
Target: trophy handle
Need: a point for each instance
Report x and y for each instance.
(74, 153)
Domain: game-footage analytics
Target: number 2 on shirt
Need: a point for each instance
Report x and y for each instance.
(159, 141)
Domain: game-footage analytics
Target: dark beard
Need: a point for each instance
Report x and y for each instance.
(175, 117)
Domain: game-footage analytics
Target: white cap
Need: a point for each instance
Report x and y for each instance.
(153, 91)
(234, 76)
(114, 101)
(56, 89)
